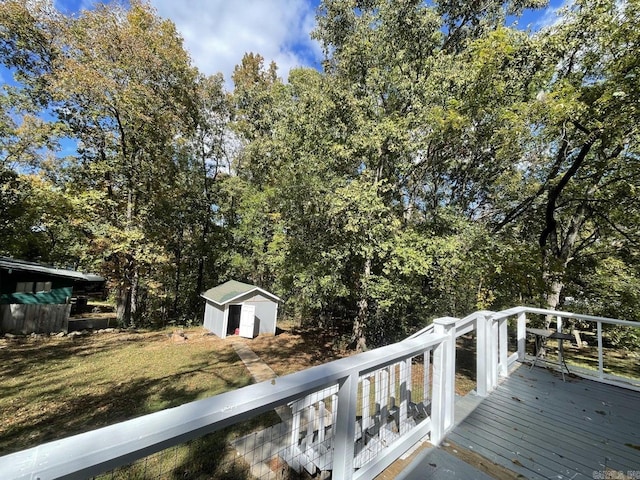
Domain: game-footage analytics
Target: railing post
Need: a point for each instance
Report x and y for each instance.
(482, 355)
(321, 414)
(366, 415)
(426, 379)
(503, 347)
(492, 360)
(522, 336)
(384, 400)
(345, 428)
(600, 357)
(444, 372)
(405, 395)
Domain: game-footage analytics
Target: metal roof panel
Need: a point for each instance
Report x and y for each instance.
(24, 266)
(231, 290)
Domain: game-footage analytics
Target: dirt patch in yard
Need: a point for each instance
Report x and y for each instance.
(294, 350)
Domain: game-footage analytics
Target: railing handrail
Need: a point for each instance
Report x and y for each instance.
(560, 316)
(564, 314)
(424, 331)
(460, 323)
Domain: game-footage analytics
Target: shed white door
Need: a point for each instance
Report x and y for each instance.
(247, 318)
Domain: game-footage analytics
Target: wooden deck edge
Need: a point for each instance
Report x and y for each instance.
(397, 467)
(613, 380)
(628, 383)
(464, 406)
(479, 462)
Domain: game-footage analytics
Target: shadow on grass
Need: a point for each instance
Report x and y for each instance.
(616, 361)
(23, 353)
(211, 456)
(88, 412)
(208, 457)
(296, 349)
(70, 414)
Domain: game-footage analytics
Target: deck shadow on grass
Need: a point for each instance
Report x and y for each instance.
(83, 412)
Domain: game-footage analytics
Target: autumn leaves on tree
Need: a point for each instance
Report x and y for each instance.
(444, 160)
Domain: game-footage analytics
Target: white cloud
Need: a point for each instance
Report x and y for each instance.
(551, 16)
(72, 6)
(217, 33)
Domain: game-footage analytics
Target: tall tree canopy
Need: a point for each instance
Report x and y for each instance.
(444, 160)
(118, 82)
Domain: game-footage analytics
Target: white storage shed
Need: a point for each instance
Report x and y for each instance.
(239, 308)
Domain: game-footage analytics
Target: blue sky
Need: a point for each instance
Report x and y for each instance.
(217, 33)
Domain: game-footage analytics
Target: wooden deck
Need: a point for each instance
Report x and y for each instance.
(541, 427)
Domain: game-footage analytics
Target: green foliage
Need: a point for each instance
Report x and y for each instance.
(444, 161)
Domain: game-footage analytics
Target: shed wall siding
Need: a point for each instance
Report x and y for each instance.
(214, 319)
(34, 318)
(265, 316)
(266, 311)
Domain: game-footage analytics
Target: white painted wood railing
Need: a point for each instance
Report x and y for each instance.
(353, 416)
(520, 313)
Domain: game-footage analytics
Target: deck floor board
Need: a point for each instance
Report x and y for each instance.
(577, 443)
(537, 448)
(578, 416)
(541, 427)
(521, 461)
(576, 422)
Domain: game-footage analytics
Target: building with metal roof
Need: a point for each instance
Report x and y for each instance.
(236, 308)
(36, 298)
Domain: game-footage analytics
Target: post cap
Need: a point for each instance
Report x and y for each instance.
(445, 321)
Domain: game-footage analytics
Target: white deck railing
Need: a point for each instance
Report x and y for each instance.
(561, 320)
(353, 416)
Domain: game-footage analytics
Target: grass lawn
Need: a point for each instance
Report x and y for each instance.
(54, 387)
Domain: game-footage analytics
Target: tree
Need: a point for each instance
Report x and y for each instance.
(426, 134)
(583, 121)
(206, 158)
(443, 161)
(247, 194)
(122, 84)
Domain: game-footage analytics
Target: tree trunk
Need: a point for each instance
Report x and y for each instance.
(359, 340)
(176, 290)
(552, 296)
(557, 253)
(123, 305)
(135, 297)
(200, 280)
(125, 301)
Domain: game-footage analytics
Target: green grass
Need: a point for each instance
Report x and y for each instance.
(52, 387)
(55, 387)
(617, 361)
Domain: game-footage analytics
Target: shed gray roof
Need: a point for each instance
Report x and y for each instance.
(24, 266)
(231, 290)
